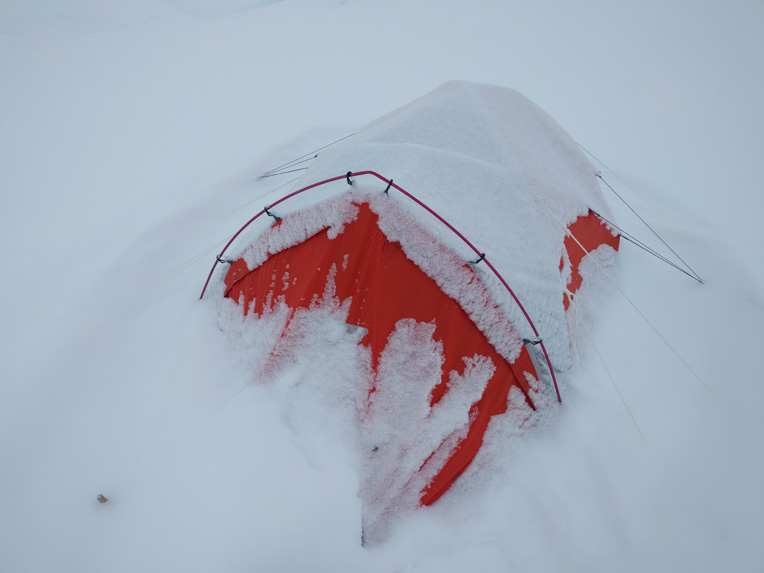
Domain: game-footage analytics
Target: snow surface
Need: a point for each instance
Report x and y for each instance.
(131, 136)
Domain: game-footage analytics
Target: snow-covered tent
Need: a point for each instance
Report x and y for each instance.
(447, 238)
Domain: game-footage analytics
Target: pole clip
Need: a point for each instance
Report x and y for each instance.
(267, 212)
(482, 256)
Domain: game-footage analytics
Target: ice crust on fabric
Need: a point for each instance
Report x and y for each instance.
(300, 226)
(396, 438)
(450, 273)
(396, 468)
(313, 363)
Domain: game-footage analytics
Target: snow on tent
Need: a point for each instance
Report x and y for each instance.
(441, 246)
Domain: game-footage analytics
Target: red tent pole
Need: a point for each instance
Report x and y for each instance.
(390, 183)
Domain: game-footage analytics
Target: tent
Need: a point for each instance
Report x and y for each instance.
(383, 233)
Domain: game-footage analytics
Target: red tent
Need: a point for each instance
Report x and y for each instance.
(391, 274)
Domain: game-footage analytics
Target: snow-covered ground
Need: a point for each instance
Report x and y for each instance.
(131, 136)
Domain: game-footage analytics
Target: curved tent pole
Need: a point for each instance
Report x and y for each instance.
(390, 183)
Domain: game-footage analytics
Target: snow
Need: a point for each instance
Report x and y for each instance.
(431, 148)
(131, 136)
(466, 150)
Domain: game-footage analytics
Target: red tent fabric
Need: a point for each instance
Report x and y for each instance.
(384, 286)
(591, 233)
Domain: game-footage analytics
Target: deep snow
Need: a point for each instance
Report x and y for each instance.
(131, 136)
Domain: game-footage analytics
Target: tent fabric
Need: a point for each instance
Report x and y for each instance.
(591, 232)
(383, 286)
(360, 266)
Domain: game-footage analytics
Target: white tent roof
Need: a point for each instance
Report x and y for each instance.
(494, 165)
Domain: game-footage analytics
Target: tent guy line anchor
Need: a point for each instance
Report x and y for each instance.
(633, 240)
(694, 275)
(453, 229)
(285, 172)
(302, 159)
(482, 256)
